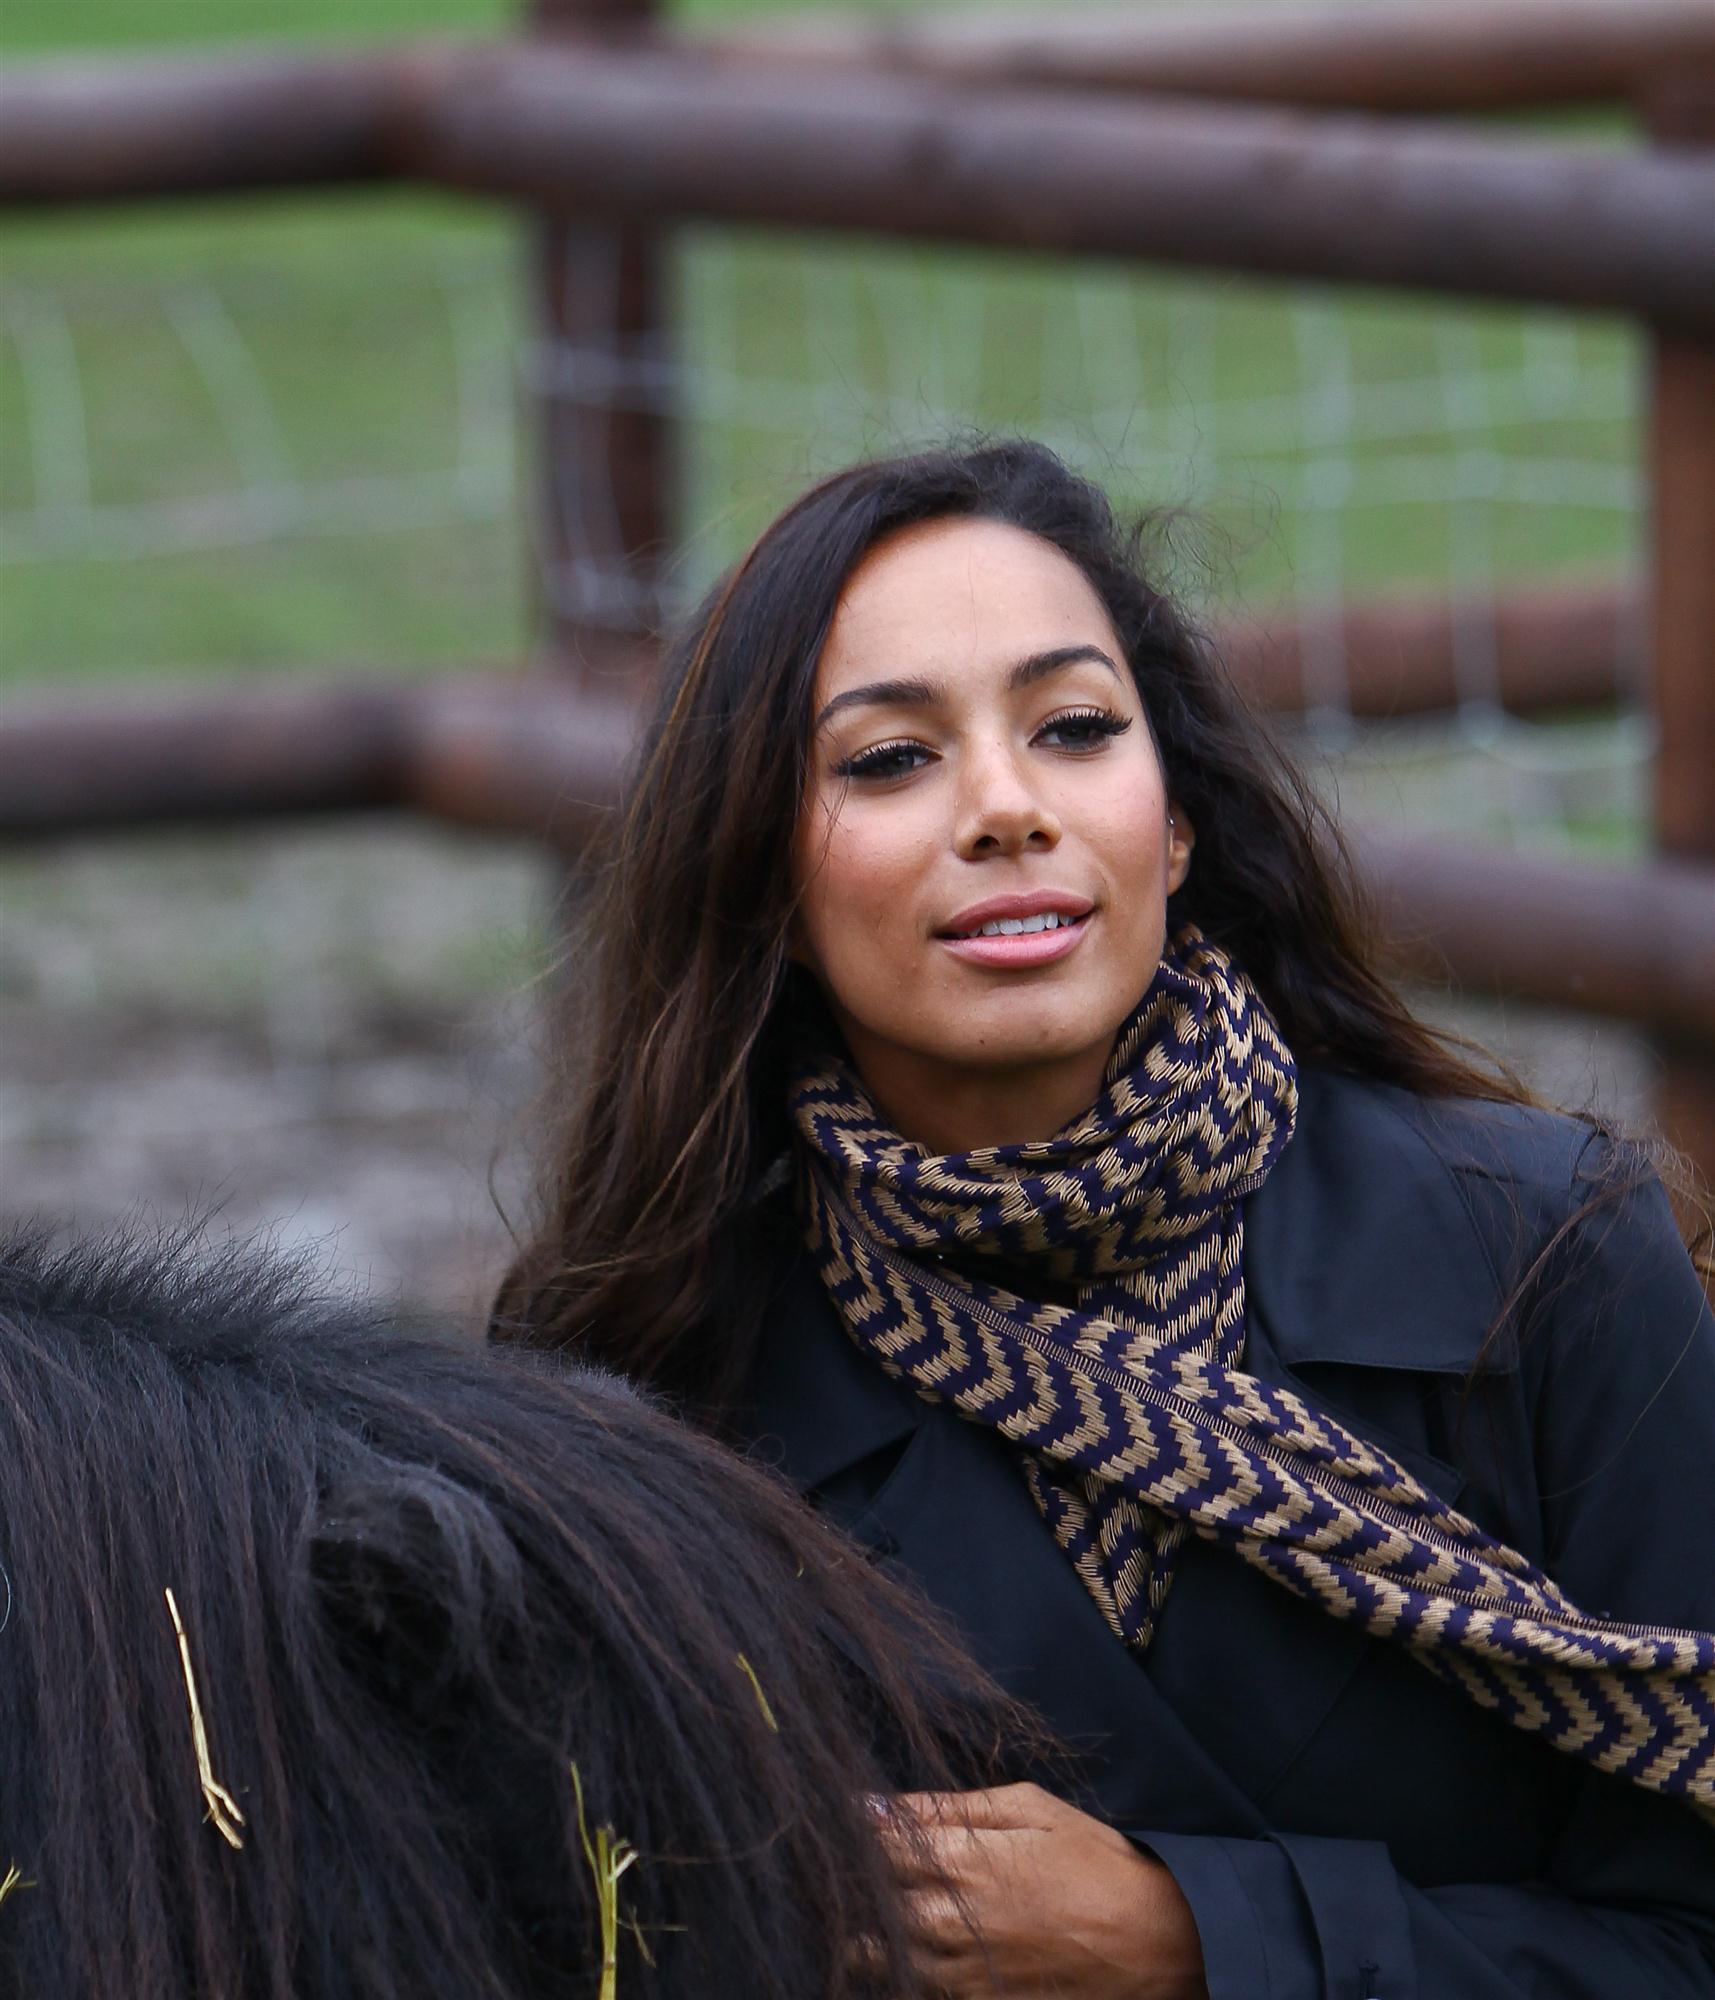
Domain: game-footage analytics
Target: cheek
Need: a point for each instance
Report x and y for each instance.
(864, 881)
(1123, 823)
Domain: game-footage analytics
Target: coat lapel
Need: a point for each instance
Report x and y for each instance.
(1359, 1247)
(816, 1406)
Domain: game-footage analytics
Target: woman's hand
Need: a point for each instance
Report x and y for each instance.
(1059, 1902)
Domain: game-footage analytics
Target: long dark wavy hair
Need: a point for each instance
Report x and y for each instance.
(446, 1615)
(683, 1005)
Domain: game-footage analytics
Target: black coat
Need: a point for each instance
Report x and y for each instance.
(1340, 1821)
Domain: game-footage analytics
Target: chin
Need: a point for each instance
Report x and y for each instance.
(1018, 1045)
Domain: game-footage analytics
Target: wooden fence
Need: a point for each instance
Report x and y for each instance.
(1272, 145)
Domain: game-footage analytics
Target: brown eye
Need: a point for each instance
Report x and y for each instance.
(884, 760)
(1085, 728)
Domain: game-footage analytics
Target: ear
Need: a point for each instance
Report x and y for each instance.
(374, 1575)
(1181, 838)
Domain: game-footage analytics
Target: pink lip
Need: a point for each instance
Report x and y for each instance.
(1033, 947)
(1030, 948)
(1029, 903)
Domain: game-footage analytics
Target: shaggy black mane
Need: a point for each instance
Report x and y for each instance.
(420, 1581)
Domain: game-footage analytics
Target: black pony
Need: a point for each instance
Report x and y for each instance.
(338, 1658)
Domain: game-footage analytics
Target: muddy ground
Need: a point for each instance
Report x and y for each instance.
(329, 1034)
(334, 1034)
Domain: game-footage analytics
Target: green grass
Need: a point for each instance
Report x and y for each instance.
(50, 27)
(345, 349)
(334, 313)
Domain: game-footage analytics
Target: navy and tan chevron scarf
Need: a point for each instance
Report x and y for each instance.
(1135, 1420)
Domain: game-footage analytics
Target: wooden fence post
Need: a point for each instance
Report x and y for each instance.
(600, 381)
(1680, 112)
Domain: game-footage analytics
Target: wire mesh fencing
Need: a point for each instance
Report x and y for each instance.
(232, 467)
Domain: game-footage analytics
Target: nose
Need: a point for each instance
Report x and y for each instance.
(1000, 810)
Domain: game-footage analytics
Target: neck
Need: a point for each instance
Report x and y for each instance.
(948, 1109)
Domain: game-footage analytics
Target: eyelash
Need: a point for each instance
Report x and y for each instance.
(1102, 723)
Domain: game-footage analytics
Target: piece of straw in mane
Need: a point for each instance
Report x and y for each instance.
(223, 1808)
(608, 1860)
(756, 1687)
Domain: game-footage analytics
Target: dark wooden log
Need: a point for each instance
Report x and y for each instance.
(1681, 113)
(1682, 523)
(239, 748)
(1635, 942)
(1425, 55)
(619, 135)
(1682, 438)
(244, 749)
(506, 752)
(518, 755)
(1550, 647)
(109, 128)
(1331, 196)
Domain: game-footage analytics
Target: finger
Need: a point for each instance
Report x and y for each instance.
(1001, 1808)
(936, 1938)
(863, 1956)
(899, 1821)
(936, 1923)
(932, 1934)
(922, 1851)
(976, 1862)
(947, 1954)
(865, 1960)
(926, 1856)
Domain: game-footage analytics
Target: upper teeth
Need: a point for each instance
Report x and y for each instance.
(1013, 926)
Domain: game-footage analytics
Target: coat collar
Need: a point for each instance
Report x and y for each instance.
(1362, 1246)
(816, 1404)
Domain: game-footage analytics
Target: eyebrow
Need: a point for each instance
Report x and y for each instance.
(923, 694)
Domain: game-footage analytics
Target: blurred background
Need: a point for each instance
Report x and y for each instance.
(355, 436)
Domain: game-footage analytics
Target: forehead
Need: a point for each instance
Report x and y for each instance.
(957, 593)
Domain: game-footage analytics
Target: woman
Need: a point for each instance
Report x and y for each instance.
(991, 1108)
(342, 1663)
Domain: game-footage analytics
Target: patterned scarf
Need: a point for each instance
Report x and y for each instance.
(1134, 1419)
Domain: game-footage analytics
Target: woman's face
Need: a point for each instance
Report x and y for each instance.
(979, 757)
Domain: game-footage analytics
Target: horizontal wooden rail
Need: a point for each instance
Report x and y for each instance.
(499, 750)
(238, 747)
(1330, 196)
(1544, 649)
(1636, 942)
(519, 755)
(1531, 651)
(611, 133)
(1424, 56)
(105, 128)
(242, 749)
